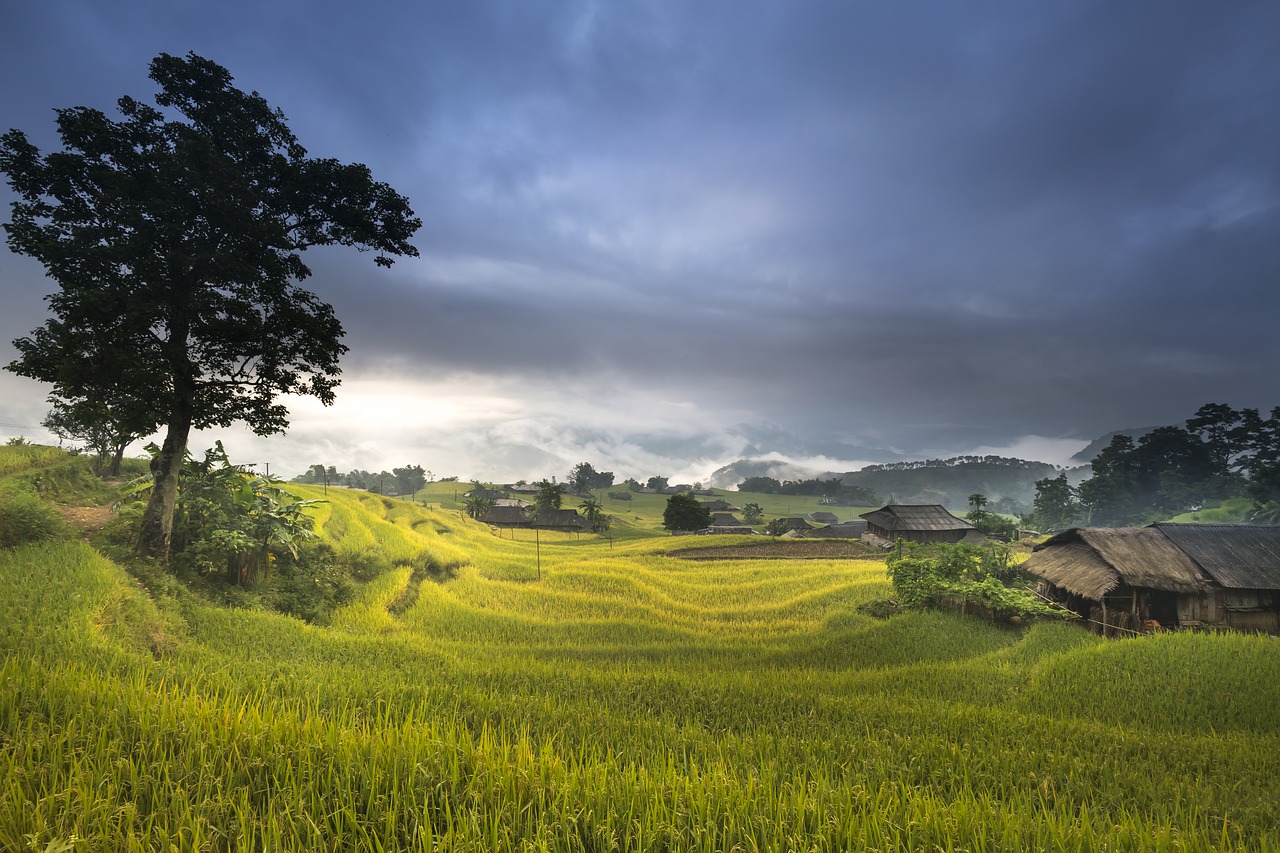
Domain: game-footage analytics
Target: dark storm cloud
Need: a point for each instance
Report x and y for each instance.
(918, 224)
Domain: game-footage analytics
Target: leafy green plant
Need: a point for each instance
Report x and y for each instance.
(963, 576)
(229, 518)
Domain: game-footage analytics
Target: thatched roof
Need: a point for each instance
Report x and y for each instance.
(724, 519)
(1237, 556)
(824, 517)
(506, 516)
(1092, 561)
(560, 519)
(795, 523)
(899, 517)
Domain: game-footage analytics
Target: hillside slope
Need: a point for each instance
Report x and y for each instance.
(585, 695)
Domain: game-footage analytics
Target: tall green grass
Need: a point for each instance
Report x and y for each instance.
(628, 701)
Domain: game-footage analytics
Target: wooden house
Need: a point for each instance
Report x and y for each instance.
(824, 517)
(1188, 575)
(918, 523)
(1242, 562)
(725, 519)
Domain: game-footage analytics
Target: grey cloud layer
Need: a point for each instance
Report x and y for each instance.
(928, 224)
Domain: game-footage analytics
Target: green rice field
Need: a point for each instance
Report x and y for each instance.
(586, 694)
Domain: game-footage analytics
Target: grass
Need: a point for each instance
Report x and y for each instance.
(628, 700)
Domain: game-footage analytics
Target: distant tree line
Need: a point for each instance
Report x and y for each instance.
(955, 461)
(398, 481)
(834, 488)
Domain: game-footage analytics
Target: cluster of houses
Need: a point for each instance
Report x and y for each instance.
(1132, 578)
(1129, 578)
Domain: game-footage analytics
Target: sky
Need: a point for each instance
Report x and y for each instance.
(660, 237)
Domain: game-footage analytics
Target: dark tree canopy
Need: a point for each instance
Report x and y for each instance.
(684, 512)
(175, 238)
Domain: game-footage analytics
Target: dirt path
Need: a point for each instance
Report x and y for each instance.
(86, 519)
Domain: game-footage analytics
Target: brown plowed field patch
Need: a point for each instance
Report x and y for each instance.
(792, 549)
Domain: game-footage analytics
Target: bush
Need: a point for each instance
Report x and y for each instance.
(26, 518)
(310, 587)
(960, 577)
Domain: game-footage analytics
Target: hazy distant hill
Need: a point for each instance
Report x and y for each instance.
(1089, 453)
(950, 481)
(942, 481)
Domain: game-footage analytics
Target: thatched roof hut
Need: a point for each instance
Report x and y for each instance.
(725, 519)
(919, 523)
(1225, 575)
(1093, 561)
(561, 519)
(824, 517)
(506, 516)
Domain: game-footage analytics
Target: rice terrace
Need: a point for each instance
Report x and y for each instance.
(475, 691)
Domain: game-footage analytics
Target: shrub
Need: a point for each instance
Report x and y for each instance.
(26, 518)
(962, 576)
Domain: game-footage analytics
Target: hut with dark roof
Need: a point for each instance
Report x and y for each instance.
(918, 523)
(1222, 575)
(824, 517)
(566, 520)
(725, 519)
(506, 516)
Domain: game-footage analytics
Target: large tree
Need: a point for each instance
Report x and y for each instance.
(175, 237)
(684, 512)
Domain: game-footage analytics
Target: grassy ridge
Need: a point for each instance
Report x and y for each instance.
(627, 700)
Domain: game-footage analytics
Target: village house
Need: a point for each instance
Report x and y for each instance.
(505, 516)
(566, 520)
(917, 523)
(1166, 575)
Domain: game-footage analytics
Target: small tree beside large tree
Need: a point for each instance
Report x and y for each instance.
(175, 238)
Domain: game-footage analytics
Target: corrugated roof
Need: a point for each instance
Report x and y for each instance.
(1092, 561)
(1238, 556)
(916, 517)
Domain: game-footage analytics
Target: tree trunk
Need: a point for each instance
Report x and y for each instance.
(156, 534)
(116, 460)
